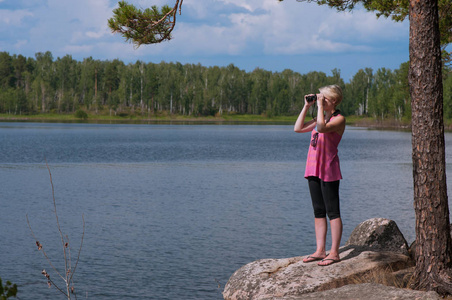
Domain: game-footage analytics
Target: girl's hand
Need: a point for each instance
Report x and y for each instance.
(320, 100)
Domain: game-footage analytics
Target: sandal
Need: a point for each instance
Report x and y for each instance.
(329, 260)
(311, 258)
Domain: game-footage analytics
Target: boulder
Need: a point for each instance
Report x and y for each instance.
(367, 291)
(379, 234)
(374, 244)
(290, 277)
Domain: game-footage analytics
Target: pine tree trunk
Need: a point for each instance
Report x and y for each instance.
(433, 240)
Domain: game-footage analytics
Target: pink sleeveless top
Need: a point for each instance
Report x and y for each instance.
(323, 161)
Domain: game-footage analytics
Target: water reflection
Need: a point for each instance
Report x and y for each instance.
(176, 209)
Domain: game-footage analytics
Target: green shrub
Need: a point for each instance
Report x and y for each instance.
(9, 290)
(81, 114)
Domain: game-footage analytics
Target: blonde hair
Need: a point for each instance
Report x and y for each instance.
(332, 92)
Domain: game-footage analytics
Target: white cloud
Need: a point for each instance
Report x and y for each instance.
(365, 26)
(78, 49)
(65, 25)
(121, 50)
(95, 35)
(248, 6)
(294, 28)
(206, 29)
(20, 43)
(13, 17)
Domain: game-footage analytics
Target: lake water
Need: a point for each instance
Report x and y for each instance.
(171, 211)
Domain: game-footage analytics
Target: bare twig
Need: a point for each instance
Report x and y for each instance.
(56, 214)
(69, 272)
(50, 282)
(79, 250)
(40, 248)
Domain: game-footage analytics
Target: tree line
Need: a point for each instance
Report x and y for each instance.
(46, 85)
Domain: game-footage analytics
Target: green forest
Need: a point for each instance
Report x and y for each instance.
(42, 84)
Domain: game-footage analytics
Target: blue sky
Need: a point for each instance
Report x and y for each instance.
(267, 34)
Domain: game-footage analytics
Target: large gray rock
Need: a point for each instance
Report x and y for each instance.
(366, 291)
(379, 234)
(374, 244)
(290, 277)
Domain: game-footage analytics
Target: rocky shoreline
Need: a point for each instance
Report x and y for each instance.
(375, 246)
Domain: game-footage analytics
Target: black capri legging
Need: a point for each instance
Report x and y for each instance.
(325, 198)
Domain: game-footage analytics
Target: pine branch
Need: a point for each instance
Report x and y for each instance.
(149, 26)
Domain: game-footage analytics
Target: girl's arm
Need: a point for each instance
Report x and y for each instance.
(335, 125)
(300, 124)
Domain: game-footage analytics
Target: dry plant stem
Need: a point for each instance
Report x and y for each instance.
(69, 272)
(61, 235)
(79, 250)
(57, 220)
(43, 251)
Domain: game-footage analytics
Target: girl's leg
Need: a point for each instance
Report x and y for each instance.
(321, 228)
(330, 191)
(320, 222)
(336, 234)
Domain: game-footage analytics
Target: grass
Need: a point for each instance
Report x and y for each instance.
(378, 123)
(138, 117)
(386, 276)
(402, 279)
(105, 116)
(164, 116)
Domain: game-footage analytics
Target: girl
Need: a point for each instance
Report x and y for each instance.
(323, 170)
